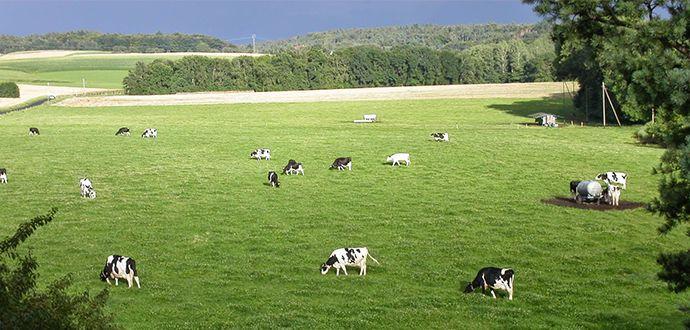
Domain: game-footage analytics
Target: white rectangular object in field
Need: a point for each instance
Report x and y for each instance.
(371, 117)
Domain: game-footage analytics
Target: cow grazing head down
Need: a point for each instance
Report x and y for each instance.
(273, 179)
(123, 131)
(341, 163)
(258, 154)
(438, 137)
(33, 131)
(347, 257)
(493, 278)
(120, 267)
(3, 175)
(573, 186)
(86, 188)
(150, 133)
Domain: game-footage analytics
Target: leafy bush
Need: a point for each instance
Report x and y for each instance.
(22, 306)
(650, 133)
(9, 89)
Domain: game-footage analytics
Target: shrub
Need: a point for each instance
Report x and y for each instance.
(9, 89)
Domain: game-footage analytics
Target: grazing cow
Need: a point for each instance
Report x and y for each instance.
(124, 131)
(33, 131)
(438, 137)
(397, 158)
(341, 163)
(613, 195)
(293, 167)
(273, 179)
(614, 177)
(3, 175)
(150, 133)
(493, 278)
(117, 267)
(347, 257)
(573, 187)
(261, 153)
(86, 188)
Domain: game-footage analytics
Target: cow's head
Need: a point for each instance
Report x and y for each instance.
(324, 269)
(469, 288)
(105, 273)
(601, 176)
(328, 264)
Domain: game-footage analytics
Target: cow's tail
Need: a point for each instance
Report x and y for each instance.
(372, 258)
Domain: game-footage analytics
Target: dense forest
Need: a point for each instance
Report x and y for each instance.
(362, 66)
(440, 37)
(125, 43)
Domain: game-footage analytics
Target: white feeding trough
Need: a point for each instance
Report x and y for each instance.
(367, 119)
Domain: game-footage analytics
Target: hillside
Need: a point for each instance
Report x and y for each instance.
(447, 37)
(131, 43)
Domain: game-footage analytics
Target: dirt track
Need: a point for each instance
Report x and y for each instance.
(518, 90)
(28, 92)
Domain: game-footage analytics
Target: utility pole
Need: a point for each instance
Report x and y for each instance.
(83, 83)
(603, 102)
(253, 43)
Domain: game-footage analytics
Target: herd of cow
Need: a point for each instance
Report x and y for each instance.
(489, 278)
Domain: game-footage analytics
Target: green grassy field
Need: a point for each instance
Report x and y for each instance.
(217, 247)
(99, 72)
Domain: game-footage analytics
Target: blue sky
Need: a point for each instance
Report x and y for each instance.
(231, 20)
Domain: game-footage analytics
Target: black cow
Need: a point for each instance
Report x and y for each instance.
(123, 131)
(341, 163)
(273, 179)
(493, 278)
(293, 167)
(34, 131)
(573, 186)
(117, 267)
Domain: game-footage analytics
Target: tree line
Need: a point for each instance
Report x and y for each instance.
(364, 66)
(440, 37)
(125, 43)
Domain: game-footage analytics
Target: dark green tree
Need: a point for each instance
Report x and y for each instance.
(642, 48)
(23, 306)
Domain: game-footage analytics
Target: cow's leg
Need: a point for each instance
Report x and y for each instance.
(129, 280)
(407, 162)
(493, 294)
(107, 280)
(345, 270)
(510, 294)
(116, 281)
(136, 279)
(337, 272)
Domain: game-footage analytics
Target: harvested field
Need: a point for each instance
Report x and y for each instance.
(76, 53)
(569, 202)
(517, 90)
(28, 92)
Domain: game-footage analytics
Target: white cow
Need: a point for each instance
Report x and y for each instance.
(117, 267)
(86, 188)
(347, 257)
(397, 158)
(614, 177)
(150, 133)
(261, 153)
(614, 195)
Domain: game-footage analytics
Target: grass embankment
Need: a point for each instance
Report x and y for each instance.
(217, 247)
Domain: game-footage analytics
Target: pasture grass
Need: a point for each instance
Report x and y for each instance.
(217, 247)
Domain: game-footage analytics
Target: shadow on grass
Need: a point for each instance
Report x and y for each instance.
(557, 105)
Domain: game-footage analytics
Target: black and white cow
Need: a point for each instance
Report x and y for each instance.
(573, 186)
(3, 175)
(123, 131)
(612, 195)
(438, 137)
(347, 257)
(341, 163)
(117, 267)
(33, 131)
(261, 153)
(86, 188)
(493, 278)
(273, 179)
(150, 133)
(293, 167)
(614, 177)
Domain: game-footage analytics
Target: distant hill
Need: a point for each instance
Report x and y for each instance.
(125, 43)
(441, 37)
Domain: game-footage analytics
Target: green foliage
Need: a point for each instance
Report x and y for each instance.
(439, 37)
(365, 66)
(9, 89)
(650, 133)
(123, 43)
(24, 307)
